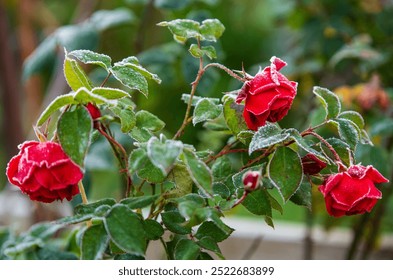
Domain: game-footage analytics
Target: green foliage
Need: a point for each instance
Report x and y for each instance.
(285, 171)
(74, 132)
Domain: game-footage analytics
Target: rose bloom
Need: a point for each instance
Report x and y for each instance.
(268, 96)
(44, 172)
(353, 191)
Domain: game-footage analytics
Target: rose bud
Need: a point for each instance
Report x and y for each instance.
(44, 172)
(94, 112)
(312, 164)
(268, 96)
(251, 180)
(353, 191)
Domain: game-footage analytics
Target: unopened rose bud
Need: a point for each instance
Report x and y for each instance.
(312, 165)
(251, 180)
(93, 111)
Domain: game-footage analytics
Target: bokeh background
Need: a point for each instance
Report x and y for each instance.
(346, 46)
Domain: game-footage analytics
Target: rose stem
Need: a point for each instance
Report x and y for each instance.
(229, 71)
(194, 85)
(84, 198)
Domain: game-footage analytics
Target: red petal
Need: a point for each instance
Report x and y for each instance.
(351, 190)
(278, 63)
(331, 182)
(260, 103)
(253, 121)
(12, 169)
(67, 173)
(374, 175)
(331, 207)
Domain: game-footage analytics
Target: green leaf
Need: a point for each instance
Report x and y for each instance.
(222, 168)
(186, 249)
(347, 131)
(182, 29)
(130, 78)
(74, 74)
(210, 244)
(110, 93)
(151, 173)
(258, 203)
(195, 99)
(303, 196)
(141, 135)
(133, 63)
(74, 219)
(83, 209)
(147, 120)
(222, 190)
(164, 155)
(153, 229)
(302, 143)
(205, 110)
(267, 136)
(233, 114)
(125, 229)
(84, 96)
(285, 171)
(199, 171)
(182, 180)
(210, 229)
(94, 242)
(174, 222)
(56, 104)
(126, 115)
(353, 116)
(90, 57)
(329, 100)
(137, 202)
(211, 29)
(137, 160)
(198, 52)
(74, 129)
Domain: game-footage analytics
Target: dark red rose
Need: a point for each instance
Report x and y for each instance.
(353, 191)
(251, 180)
(95, 113)
(268, 96)
(44, 172)
(312, 165)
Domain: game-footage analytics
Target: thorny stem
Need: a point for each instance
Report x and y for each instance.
(121, 154)
(241, 199)
(194, 85)
(327, 144)
(229, 71)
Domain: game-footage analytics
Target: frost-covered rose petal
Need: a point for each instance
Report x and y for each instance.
(353, 191)
(44, 172)
(268, 96)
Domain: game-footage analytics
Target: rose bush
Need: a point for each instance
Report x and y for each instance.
(353, 191)
(172, 186)
(268, 96)
(44, 172)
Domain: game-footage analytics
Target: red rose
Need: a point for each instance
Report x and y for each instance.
(353, 191)
(268, 96)
(251, 180)
(44, 172)
(312, 165)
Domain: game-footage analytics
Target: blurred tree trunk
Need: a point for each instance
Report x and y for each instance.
(10, 89)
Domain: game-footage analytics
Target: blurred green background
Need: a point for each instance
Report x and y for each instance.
(345, 46)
